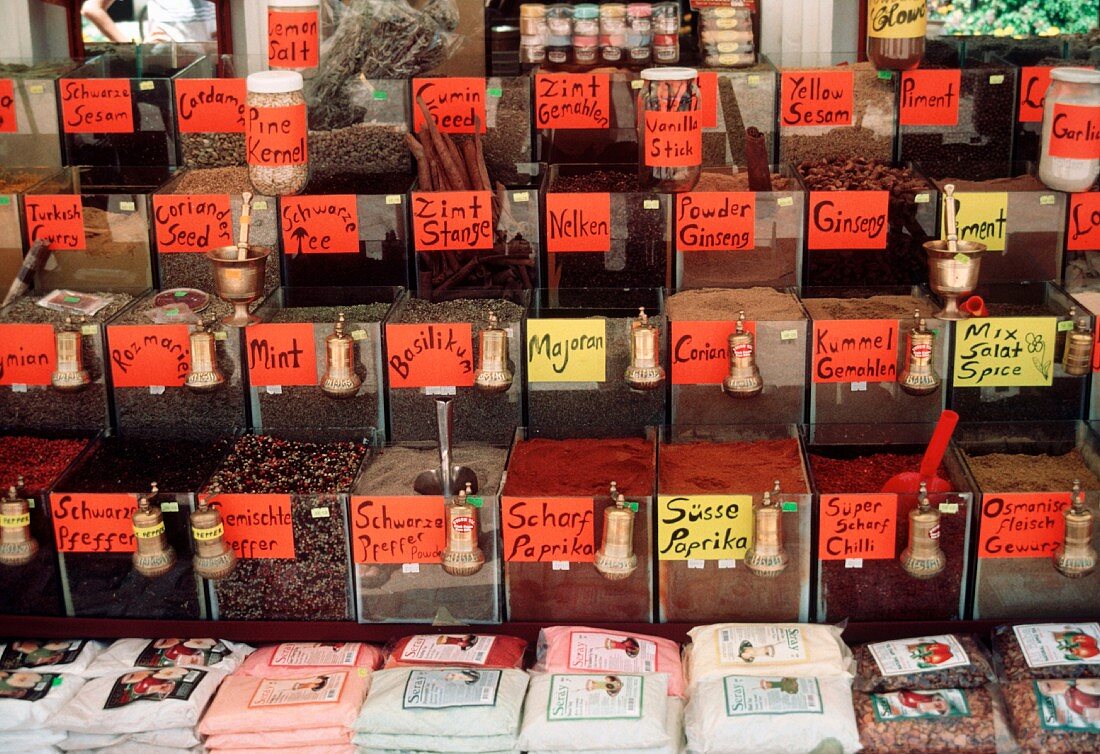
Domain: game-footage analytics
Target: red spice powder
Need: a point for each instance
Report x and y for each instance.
(580, 467)
(696, 468)
(863, 473)
(40, 461)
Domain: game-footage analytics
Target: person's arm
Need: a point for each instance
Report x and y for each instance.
(96, 12)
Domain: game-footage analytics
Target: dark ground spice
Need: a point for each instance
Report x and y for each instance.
(881, 589)
(39, 460)
(702, 468)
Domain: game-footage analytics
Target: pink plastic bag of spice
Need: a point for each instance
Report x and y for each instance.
(296, 659)
(576, 649)
(457, 650)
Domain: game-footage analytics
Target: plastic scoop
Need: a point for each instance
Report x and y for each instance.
(908, 482)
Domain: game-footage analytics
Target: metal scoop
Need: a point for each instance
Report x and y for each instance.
(449, 476)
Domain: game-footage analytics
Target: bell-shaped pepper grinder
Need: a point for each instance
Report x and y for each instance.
(493, 374)
(17, 545)
(204, 375)
(153, 556)
(1076, 557)
(919, 375)
(70, 375)
(615, 560)
(768, 555)
(743, 380)
(214, 558)
(462, 555)
(340, 380)
(923, 557)
(645, 371)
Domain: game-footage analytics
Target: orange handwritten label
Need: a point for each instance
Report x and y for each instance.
(397, 529)
(430, 355)
(708, 98)
(673, 139)
(716, 221)
(96, 106)
(281, 354)
(848, 220)
(456, 103)
(578, 222)
(858, 526)
(148, 355)
(700, 350)
(548, 529)
(817, 98)
(8, 124)
(452, 220)
(1075, 132)
(572, 100)
(1034, 82)
(1021, 524)
(28, 354)
(320, 224)
(210, 105)
(257, 527)
(192, 222)
(1096, 349)
(1083, 232)
(87, 522)
(276, 136)
(855, 350)
(930, 97)
(58, 217)
(293, 39)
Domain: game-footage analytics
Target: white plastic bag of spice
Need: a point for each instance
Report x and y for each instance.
(595, 712)
(67, 656)
(172, 738)
(799, 650)
(30, 701)
(739, 714)
(140, 701)
(31, 740)
(674, 726)
(129, 654)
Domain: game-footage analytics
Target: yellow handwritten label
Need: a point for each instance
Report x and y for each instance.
(148, 532)
(981, 217)
(15, 522)
(208, 535)
(1005, 352)
(566, 350)
(704, 527)
(896, 19)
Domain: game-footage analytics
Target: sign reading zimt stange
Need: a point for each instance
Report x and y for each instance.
(452, 220)
(1005, 352)
(566, 350)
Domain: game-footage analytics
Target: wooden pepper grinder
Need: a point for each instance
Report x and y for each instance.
(17, 545)
(153, 556)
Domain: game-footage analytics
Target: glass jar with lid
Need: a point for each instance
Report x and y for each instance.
(670, 134)
(294, 35)
(1070, 156)
(276, 133)
(895, 33)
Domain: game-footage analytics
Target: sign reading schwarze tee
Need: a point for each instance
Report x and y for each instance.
(578, 222)
(281, 354)
(430, 355)
(855, 350)
(319, 224)
(192, 222)
(96, 106)
(544, 530)
(210, 105)
(87, 522)
(452, 220)
(28, 354)
(848, 220)
(456, 103)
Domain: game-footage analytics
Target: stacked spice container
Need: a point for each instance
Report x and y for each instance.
(1039, 486)
(887, 555)
(210, 99)
(732, 102)
(30, 116)
(14, 182)
(733, 524)
(585, 119)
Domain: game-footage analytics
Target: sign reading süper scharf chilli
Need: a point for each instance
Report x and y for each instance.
(1005, 352)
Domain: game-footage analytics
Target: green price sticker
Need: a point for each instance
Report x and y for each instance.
(380, 96)
(886, 75)
(494, 91)
(632, 506)
(790, 507)
(180, 294)
(72, 299)
(1065, 325)
(5, 201)
(477, 502)
(170, 507)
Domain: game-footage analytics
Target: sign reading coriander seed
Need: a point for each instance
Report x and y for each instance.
(704, 527)
(1005, 352)
(566, 350)
(192, 222)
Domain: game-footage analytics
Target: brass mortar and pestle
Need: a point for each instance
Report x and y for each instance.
(239, 271)
(953, 265)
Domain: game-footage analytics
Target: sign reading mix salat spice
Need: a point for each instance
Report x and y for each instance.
(578, 222)
(210, 105)
(281, 354)
(397, 529)
(704, 527)
(28, 354)
(430, 355)
(572, 100)
(855, 350)
(1021, 524)
(817, 98)
(276, 136)
(452, 220)
(319, 224)
(930, 97)
(96, 106)
(293, 38)
(456, 103)
(1083, 231)
(566, 350)
(545, 530)
(673, 139)
(700, 350)
(87, 522)
(192, 222)
(716, 221)
(8, 122)
(149, 355)
(981, 216)
(1034, 82)
(1005, 352)
(848, 220)
(57, 217)
(857, 526)
(257, 526)
(1075, 132)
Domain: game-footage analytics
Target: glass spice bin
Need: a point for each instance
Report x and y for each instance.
(1025, 479)
(615, 143)
(1082, 271)
(399, 537)
(32, 85)
(744, 98)
(569, 549)
(92, 506)
(751, 561)
(299, 324)
(13, 183)
(210, 110)
(866, 537)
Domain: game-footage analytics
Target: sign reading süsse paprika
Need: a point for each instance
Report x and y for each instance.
(704, 527)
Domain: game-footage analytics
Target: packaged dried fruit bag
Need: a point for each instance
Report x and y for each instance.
(928, 662)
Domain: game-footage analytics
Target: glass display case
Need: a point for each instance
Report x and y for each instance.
(30, 111)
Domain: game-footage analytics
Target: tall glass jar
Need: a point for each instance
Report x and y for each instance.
(1070, 156)
(294, 35)
(276, 133)
(670, 134)
(895, 33)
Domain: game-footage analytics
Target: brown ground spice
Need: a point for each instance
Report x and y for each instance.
(723, 304)
(1020, 472)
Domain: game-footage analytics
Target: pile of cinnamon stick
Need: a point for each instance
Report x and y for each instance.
(446, 164)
